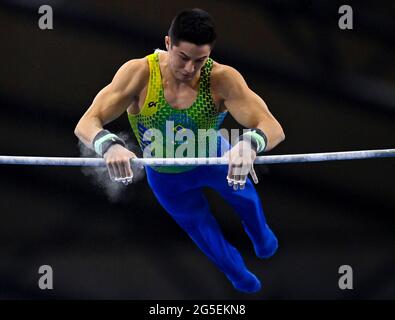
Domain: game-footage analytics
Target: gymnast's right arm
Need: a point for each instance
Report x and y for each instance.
(109, 104)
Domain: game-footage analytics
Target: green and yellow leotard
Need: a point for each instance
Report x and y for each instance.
(156, 113)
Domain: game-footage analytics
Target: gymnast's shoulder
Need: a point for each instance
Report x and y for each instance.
(133, 73)
(225, 79)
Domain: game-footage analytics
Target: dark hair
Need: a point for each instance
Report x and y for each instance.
(193, 25)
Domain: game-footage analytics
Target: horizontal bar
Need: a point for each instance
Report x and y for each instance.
(287, 158)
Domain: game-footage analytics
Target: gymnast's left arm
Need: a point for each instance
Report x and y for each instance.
(248, 109)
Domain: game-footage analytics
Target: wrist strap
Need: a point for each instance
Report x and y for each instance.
(257, 138)
(104, 140)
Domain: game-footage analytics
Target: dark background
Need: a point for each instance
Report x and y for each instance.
(331, 89)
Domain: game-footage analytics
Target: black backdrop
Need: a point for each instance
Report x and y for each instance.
(331, 89)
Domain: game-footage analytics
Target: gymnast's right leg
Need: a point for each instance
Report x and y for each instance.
(190, 209)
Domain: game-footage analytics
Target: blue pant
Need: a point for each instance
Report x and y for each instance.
(181, 196)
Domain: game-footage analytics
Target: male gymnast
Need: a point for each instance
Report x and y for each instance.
(185, 86)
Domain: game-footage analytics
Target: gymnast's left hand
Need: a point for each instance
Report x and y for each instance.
(241, 159)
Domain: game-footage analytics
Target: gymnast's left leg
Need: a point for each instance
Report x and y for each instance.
(248, 206)
(187, 205)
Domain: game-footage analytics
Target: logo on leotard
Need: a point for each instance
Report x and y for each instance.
(152, 104)
(179, 128)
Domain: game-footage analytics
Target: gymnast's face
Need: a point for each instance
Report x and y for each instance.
(186, 59)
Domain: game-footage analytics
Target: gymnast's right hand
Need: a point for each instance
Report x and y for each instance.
(117, 159)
